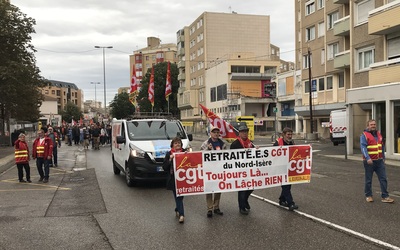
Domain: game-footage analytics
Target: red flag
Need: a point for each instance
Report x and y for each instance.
(151, 87)
(134, 87)
(227, 131)
(168, 85)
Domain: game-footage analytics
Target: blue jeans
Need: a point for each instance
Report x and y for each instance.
(179, 204)
(243, 198)
(286, 194)
(378, 167)
(40, 162)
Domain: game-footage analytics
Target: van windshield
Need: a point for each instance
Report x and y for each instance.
(154, 130)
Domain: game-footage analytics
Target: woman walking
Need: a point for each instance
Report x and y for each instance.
(168, 166)
(22, 158)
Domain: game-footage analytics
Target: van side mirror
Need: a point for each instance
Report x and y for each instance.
(121, 139)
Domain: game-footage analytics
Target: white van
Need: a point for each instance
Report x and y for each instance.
(338, 126)
(139, 147)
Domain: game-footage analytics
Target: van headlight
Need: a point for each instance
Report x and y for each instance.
(137, 153)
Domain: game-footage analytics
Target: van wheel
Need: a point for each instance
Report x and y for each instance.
(128, 177)
(117, 171)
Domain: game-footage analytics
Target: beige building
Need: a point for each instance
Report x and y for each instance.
(154, 53)
(226, 64)
(63, 92)
(354, 53)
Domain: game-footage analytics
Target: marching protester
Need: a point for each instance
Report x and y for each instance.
(22, 158)
(176, 147)
(243, 142)
(55, 138)
(42, 151)
(213, 143)
(373, 151)
(286, 199)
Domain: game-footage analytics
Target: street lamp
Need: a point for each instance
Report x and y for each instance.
(95, 95)
(104, 71)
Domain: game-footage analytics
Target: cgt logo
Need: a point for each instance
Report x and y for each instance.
(299, 161)
(189, 169)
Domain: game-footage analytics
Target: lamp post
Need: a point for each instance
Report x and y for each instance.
(95, 95)
(104, 71)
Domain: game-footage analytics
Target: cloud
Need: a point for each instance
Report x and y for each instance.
(68, 30)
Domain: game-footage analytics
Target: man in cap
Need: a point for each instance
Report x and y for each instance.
(243, 141)
(213, 143)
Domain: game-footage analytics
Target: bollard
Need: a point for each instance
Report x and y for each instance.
(345, 147)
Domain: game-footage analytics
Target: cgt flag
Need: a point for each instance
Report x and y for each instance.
(151, 87)
(134, 87)
(227, 130)
(168, 85)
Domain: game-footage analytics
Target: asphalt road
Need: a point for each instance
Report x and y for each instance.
(94, 209)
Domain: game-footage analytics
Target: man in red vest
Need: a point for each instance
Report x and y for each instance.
(286, 199)
(22, 158)
(373, 151)
(42, 151)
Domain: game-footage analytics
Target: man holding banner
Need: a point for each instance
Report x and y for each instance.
(243, 142)
(213, 143)
(286, 198)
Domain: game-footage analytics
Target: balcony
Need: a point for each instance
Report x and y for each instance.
(181, 51)
(384, 72)
(181, 64)
(181, 90)
(252, 76)
(341, 27)
(181, 77)
(342, 60)
(385, 19)
(341, 1)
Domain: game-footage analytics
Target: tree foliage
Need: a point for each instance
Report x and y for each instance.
(19, 76)
(71, 111)
(121, 107)
(160, 103)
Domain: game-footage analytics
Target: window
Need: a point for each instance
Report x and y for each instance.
(307, 87)
(329, 82)
(321, 29)
(321, 84)
(306, 61)
(322, 56)
(333, 49)
(341, 79)
(222, 92)
(310, 33)
(362, 10)
(245, 69)
(332, 18)
(321, 4)
(213, 94)
(393, 45)
(310, 7)
(365, 57)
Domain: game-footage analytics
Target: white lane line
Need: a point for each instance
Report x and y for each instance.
(338, 227)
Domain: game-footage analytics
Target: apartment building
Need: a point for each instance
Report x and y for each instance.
(154, 53)
(226, 64)
(63, 92)
(353, 50)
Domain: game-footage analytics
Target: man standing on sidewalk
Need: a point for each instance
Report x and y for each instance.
(42, 151)
(55, 138)
(213, 143)
(373, 151)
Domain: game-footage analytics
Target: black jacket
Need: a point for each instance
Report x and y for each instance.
(168, 167)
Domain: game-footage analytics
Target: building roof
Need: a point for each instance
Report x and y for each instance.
(63, 84)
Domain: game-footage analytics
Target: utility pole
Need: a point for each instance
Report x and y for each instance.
(310, 86)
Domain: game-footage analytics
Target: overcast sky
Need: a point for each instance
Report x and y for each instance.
(68, 30)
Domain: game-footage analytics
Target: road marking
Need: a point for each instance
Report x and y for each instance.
(333, 225)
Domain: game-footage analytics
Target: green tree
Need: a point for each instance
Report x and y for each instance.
(19, 76)
(160, 103)
(121, 107)
(71, 111)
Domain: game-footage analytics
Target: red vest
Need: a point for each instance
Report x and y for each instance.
(44, 149)
(374, 147)
(21, 152)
